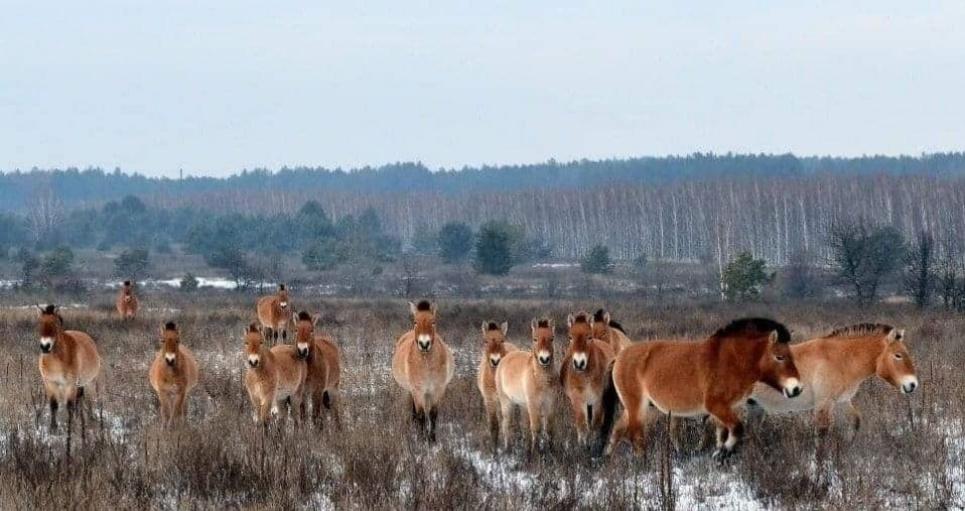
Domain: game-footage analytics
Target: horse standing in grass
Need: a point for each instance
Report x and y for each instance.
(324, 367)
(609, 331)
(495, 349)
(273, 315)
(529, 379)
(126, 302)
(833, 367)
(423, 366)
(69, 362)
(706, 377)
(585, 375)
(275, 376)
(173, 375)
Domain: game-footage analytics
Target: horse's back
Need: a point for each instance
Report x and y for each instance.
(511, 375)
(88, 360)
(332, 357)
(620, 339)
(266, 305)
(664, 371)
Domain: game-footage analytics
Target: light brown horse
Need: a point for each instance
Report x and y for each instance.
(833, 367)
(423, 366)
(273, 315)
(529, 379)
(275, 376)
(126, 302)
(494, 350)
(585, 374)
(707, 377)
(324, 367)
(609, 331)
(69, 362)
(173, 375)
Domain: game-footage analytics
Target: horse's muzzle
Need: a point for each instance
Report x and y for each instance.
(543, 361)
(253, 363)
(302, 352)
(46, 348)
(793, 391)
(909, 386)
(494, 362)
(424, 346)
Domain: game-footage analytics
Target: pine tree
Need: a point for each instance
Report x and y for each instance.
(597, 261)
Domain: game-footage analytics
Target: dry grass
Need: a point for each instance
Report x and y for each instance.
(908, 454)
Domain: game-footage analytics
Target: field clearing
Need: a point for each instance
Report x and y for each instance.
(909, 453)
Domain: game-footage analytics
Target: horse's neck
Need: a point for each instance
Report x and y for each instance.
(741, 353)
(64, 345)
(859, 355)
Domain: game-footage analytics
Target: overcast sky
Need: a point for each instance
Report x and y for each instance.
(215, 86)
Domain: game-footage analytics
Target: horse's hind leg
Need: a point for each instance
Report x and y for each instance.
(727, 418)
(330, 401)
(433, 419)
(506, 417)
(619, 430)
(53, 414)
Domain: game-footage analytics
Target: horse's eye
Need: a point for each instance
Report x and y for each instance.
(898, 356)
(780, 358)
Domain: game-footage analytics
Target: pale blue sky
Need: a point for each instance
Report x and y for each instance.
(214, 86)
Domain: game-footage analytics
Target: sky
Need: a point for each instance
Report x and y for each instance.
(216, 86)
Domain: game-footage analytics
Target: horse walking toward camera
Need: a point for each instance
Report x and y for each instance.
(609, 331)
(126, 302)
(834, 366)
(585, 375)
(495, 349)
(173, 375)
(423, 366)
(712, 376)
(69, 362)
(275, 376)
(323, 363)
(273, 315)
(529, 379)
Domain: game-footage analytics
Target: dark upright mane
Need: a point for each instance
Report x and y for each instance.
(490, 326)
(50, 309)
(581, 317)
(281, 287)
(253, 328)
(600, 314)
(543, 323)
(423, 305)
(859, 330)
(755, 326)
(170, 326)
(304, 316)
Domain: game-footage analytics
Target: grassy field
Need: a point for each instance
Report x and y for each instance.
(910, 452)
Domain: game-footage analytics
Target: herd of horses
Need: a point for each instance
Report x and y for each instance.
(615, 387)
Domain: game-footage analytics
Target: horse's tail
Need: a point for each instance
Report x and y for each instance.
(609, 403)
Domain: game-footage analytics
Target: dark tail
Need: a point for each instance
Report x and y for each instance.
(610, 401)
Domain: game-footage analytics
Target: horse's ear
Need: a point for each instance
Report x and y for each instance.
(434, 308)
(41, 309)
(504, 327)
(162, 330)
(294, 318)
(896, 334)
(484, 327)
(314, 320)
(774, 336)
(412, 308)
(589, 320)
(569, 320)
(534, 325)
(606, 318)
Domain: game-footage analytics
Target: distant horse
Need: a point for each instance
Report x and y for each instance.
(609, 331)
(423, 366)
(324, 367)
(833, 367)
(495, 349)
(273, 315)
(275, 376)
(706, 377)
(173, 375)
(529, 379)
(127, 301)
(69, 362)
(585, 374)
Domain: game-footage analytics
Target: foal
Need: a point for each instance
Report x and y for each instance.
(423, 366)
(126, 302)
(833, 368)
(495, 349)
(324, 367)
(585, 374)
(609, 331)
(529, 379)
(274, 375)
(68, 362)
(273, 314)
(708, 377)
(173, 375)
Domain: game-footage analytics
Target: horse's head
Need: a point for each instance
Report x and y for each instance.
(282, 296)
(304, 332)
(601, 325)
(777, 366)
(494, 335)
(127, 290)
(49, 327)
(894, 364)
(543, 333)
(170, 343)
(581, 334)
(424, 317)
(253, 340)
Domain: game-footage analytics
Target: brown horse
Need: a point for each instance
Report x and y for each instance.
(706, 377)
(529, 379)
(173, 375)
(833, 368)
(273, 314)
(275, 376)
(127, 301)
(495, 349)
(68, 362)
(609, 331)
(423, 366)
(585, 374)
(324, 367)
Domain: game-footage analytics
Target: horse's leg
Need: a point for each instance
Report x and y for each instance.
(506, 417)
(492, 418)
(727, 418)
(675, 425)
(822, 417)
(53, 413)
(330, 400)
(419, 405)
(318, 395)
(579, 415)
(535, 422)
(284, 335)
(433, 419)
(619, 430)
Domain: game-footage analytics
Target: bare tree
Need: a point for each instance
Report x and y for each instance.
(919, 275)
(862, 256)
(45, 214)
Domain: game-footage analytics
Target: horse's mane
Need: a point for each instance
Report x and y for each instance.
(170, 326)
(281, 287)
(581, 317)
(543, 323)
(127, 283)
(492, 325)
(253, 328)
(424, 306)
(860, 329)
(50, 309)
(755, 325)
(304, 316)
(600, 314)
